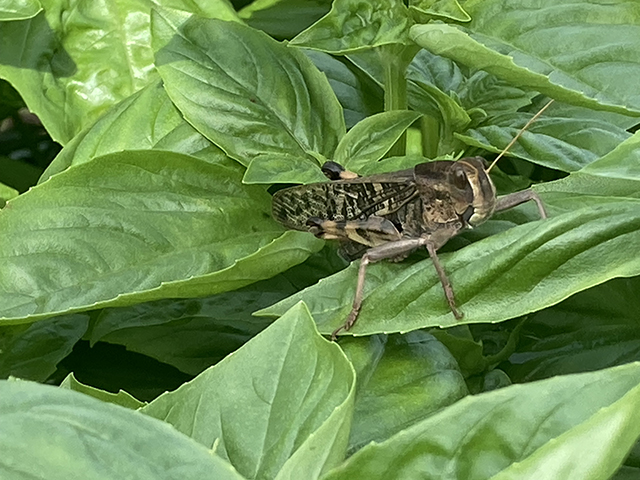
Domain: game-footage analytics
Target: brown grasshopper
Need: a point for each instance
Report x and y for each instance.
(392, 214)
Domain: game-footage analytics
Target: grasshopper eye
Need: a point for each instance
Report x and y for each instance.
(460, 179)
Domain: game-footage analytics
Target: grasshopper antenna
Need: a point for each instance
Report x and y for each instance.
(522, 130)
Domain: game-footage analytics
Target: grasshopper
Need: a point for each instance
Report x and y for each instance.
(388, 216)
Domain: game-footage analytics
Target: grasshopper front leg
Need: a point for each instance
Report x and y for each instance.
(517, 198)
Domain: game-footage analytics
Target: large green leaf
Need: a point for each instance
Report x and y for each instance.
(354, 25)
(50, 433)
(244, 91)
(401, 380)
(75, 59)
(145, 120)
(65, 75)
(583, 52)
(138, 226)
(594, 329)
(19, 9)
(584, 243)
(577, 426)
(279, 407)
(33, 351)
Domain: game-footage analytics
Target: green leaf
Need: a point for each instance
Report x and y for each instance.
(437, 71)
(594, 329)
(19, 174)
(267, 15)
(493, 96)
(626, 473)
(220, 9)
(283, 168)
(138, 226)
(432, 81)
(438, 88)
(247, 93)
(122, 128)
(191, 334)
(565, 110)
(52, 433)
(6, 193)
(491, 380)
(64, 74)
(465, 349)
(374, 136)
(448, 9)
(429, 100)
(562, 143)
(578, 426)
(581, 53)
(279, 407)
(354, 25)
(402, 379)
(121, 398)
(359, 95)
(33, 351)
(615, 174)
(19, 9)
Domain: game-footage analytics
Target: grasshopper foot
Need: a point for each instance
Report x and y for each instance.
(351, 319)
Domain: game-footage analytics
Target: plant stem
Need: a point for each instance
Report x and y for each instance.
(395, 59)
(430, 128)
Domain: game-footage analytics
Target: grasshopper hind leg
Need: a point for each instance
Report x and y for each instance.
(387, 251)
(444, 281)
(399, 250)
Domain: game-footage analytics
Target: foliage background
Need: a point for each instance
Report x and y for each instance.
(134, 260)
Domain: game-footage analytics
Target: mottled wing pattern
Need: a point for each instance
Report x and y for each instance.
(342, 200)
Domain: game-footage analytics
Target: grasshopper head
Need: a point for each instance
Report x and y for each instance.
(470, 193)
(469, 174)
